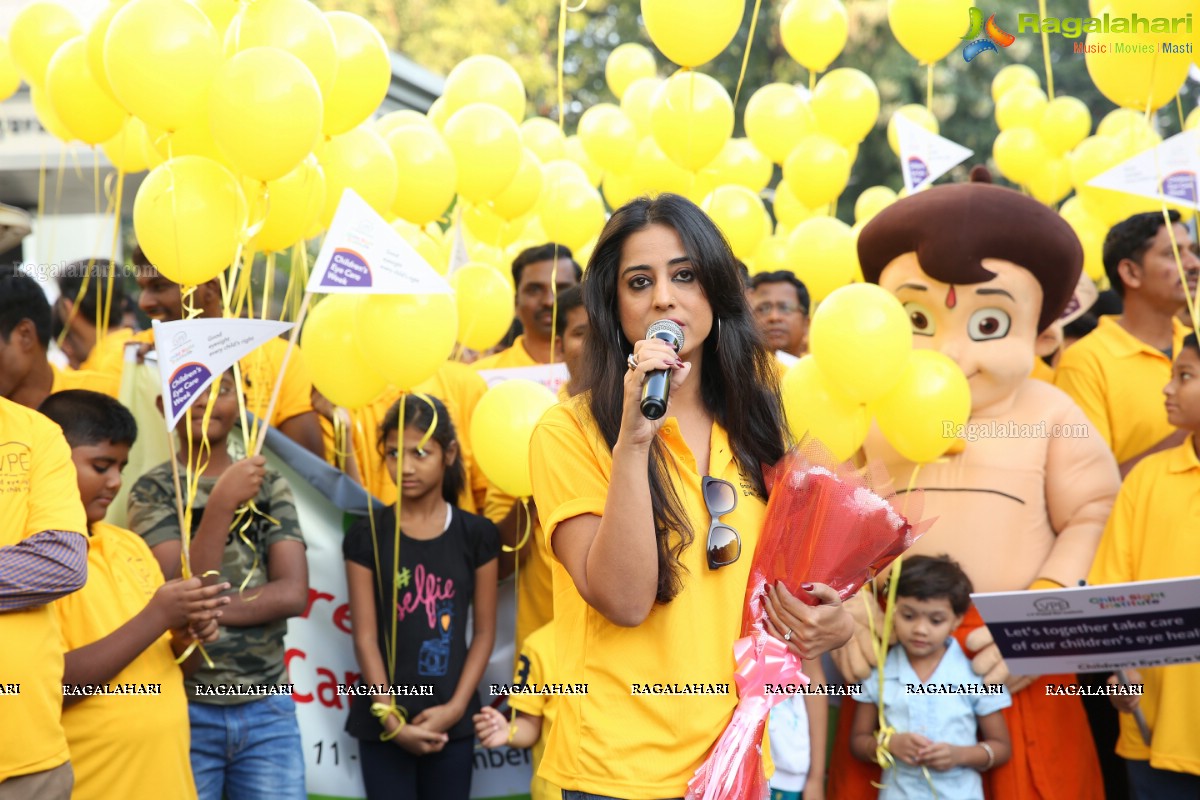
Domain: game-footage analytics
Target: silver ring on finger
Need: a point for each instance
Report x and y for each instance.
(632, 361)
(787, 637)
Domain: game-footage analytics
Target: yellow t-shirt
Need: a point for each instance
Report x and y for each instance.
(535, 586)
(1042, 371)
(1117, 380)
(108, 354)
(102, 382)
(1151, 535)
(537, 665)
(610, 741)
(38, 492)
(133, 745)
(515, 356)
(459, 388)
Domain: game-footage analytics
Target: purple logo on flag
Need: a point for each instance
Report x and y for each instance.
(347, 269)
(917, 170)
(1180, 186)
(185, 383)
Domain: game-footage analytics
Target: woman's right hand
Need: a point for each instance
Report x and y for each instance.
(651, 355)
(419, 741)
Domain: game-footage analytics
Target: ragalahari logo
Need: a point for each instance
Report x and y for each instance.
(984, 36)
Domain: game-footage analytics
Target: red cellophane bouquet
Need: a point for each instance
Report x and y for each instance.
(826, 523)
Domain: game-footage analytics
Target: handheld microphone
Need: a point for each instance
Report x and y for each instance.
(658, 383)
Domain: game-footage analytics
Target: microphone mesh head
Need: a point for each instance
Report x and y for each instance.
(667, 326)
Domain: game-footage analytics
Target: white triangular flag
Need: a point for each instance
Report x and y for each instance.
(192, 353)
(1166, 172)
(925, 156)
(363, 255)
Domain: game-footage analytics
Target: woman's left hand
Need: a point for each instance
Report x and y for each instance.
(438, 718)
(814, 629)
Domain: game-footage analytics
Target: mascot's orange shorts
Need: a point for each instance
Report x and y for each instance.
(1053, 757)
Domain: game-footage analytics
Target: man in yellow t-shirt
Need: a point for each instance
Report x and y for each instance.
(26, 376)
(161, 299)
(123, 631)
(1151, 535)
(43, 556)
(85, 301)
(1114, 373)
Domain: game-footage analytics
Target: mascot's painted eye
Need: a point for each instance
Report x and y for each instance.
(988, 323)
(921, 319)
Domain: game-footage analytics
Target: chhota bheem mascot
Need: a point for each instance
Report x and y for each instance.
(981, 271)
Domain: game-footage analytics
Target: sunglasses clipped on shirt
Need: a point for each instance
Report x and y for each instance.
(724, 544)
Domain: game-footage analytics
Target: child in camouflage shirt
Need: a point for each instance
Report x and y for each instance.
(245, 738)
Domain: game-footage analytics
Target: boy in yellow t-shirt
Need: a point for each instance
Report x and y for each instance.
(124, 707)
(1151, 535)
(43, 556)
(535, 710)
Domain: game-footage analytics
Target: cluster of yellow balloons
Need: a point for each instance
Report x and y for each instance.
(226, 103)
(863, 366)
(1140, 80)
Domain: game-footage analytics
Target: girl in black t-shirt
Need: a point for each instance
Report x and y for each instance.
(416, 738)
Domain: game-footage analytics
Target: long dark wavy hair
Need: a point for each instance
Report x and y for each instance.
(739, 384)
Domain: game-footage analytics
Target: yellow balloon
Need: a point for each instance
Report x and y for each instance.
(522, 193)
(578, 155)
(360, 160)
(1130, 127)
(814, 32)
(160, 57)
(79, 102)
(426, 171)
(426, 243)
(739, 213)
(1091, 233)
(928, 29)
(36, 33)
(293, 205)
(189, 216)
(1065, 123)
(1012, 76)
(485, 308)
(331, 356)
(296, 26)
(872, 200)
(10, 76)
(739, 164)
(777, 118)
(1094, 155)
(544, 139)
(1052, 182)
(95, 46)
(571, 212)
(483, 224)
(1019, 154)
(426, 323)
(653, 173)
(439, 113)
(817, 170)
(637, 102)
(846, 104)
(1135, 79)
(789, 211)
(1021, 107)
(485, 79)
(219, 12)
(487, 148)
(404, 118)
(252, 92)
(692, 32)
(824, 254)
(913, 113)
(364, 72)
(194, 139)
(626, 63)
(861, 338)
(608, 137)
(771, 255)
(692, 119)
(619, 189)
(45, 114)
(814, 408)
(501, 430)
(127, 150)
(931, 398)
(564, 171)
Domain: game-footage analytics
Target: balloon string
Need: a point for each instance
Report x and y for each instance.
(746, 56)
(268, 283)
(562, 50)
(1046, 51)
(425, 437)
(812, 80)
(396, 548)
(929, 87)
(119, 193)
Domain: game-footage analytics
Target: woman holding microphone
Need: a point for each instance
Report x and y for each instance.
(650, 489)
